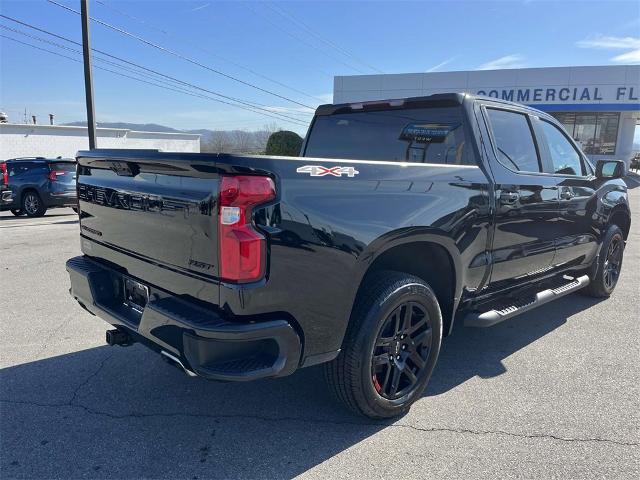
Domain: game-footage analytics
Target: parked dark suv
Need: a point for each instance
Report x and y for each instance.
(32, 185)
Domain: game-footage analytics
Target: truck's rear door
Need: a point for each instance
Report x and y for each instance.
(152, 215)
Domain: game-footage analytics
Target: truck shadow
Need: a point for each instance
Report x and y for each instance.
(471, 352)
(123, 413)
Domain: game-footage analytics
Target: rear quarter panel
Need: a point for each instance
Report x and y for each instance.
(325, 231)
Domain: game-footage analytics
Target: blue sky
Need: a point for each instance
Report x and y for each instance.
(296, 44)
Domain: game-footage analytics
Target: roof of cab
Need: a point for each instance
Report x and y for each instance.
(436, 100)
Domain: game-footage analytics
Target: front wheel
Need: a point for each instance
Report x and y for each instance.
(390, 348)
(606, 271)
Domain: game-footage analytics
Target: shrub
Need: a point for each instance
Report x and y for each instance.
(284, 143)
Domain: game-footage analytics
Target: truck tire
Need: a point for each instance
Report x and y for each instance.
(32, 204)
(606, 271)
(390, 348)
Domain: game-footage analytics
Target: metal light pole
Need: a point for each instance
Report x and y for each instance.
(88, 75)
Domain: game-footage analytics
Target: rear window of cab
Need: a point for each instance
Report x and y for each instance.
(422, 135)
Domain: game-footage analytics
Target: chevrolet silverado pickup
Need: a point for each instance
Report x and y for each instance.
(399, 218)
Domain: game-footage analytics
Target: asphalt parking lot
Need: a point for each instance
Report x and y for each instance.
(551, 394)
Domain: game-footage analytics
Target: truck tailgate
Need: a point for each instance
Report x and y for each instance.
(153, 214)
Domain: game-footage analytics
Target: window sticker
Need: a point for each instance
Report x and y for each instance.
(427, 132)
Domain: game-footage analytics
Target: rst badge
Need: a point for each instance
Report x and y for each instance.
(320, 171)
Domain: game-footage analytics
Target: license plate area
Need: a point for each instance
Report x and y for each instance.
(136, 295)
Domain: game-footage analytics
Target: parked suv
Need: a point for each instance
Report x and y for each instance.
(32, 185)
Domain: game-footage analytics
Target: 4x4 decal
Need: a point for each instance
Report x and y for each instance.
(320, 171)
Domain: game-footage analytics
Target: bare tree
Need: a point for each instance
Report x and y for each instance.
(242, 141)
(262, 136)
(219, 141)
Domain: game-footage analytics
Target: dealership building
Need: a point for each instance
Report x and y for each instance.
(598, 106)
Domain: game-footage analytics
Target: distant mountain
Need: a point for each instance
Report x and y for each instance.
(143, 127)
(210, 140)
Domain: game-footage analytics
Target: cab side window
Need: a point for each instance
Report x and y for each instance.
(514, 140)
(564, 157)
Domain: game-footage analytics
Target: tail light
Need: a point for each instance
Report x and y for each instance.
(5, 173)
(53, 174)
(242, 248)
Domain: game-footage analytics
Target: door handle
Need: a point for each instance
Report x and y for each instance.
(509, 197)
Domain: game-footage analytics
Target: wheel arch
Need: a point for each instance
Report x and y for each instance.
(26, 189)
(428, 256)
(621, 217)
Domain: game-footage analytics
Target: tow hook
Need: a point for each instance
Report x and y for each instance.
(118, 337)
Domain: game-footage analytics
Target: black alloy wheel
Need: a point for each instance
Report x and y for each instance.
(390, 348)
(605, 271)
(401, 351)
(612, 263)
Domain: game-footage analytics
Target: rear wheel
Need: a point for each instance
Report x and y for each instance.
(606, 271)
(390, 349)
(17, 211)
(32, 204)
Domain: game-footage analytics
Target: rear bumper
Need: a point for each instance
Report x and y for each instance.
(204, 342)
(6, 200)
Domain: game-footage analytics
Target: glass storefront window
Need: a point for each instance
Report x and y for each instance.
(607, 132)
(596, 133)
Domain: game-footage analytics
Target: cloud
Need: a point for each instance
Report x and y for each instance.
(442, 64)
(630, 57)
(602, 42)
(514, 60)
(200, 7)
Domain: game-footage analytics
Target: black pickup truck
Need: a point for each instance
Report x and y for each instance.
(401, 217)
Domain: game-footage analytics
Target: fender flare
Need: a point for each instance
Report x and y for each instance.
(617, 209)
(405, 236)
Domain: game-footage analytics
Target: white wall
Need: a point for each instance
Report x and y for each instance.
(19, 140)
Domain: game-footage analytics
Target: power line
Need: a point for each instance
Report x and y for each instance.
(179, 55)
(186, 92)
(295, 37)
(151, 70)
(280, 11)
(132, 70)
(208, 52)
(144, 22)
(297, 122)
(171, 86)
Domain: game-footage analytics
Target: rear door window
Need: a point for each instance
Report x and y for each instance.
(514, 142)
(424, 135)
(16, 169)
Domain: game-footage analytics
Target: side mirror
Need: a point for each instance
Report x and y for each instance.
(610, 169)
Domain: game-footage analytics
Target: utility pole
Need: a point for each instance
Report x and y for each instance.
(88, 75)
